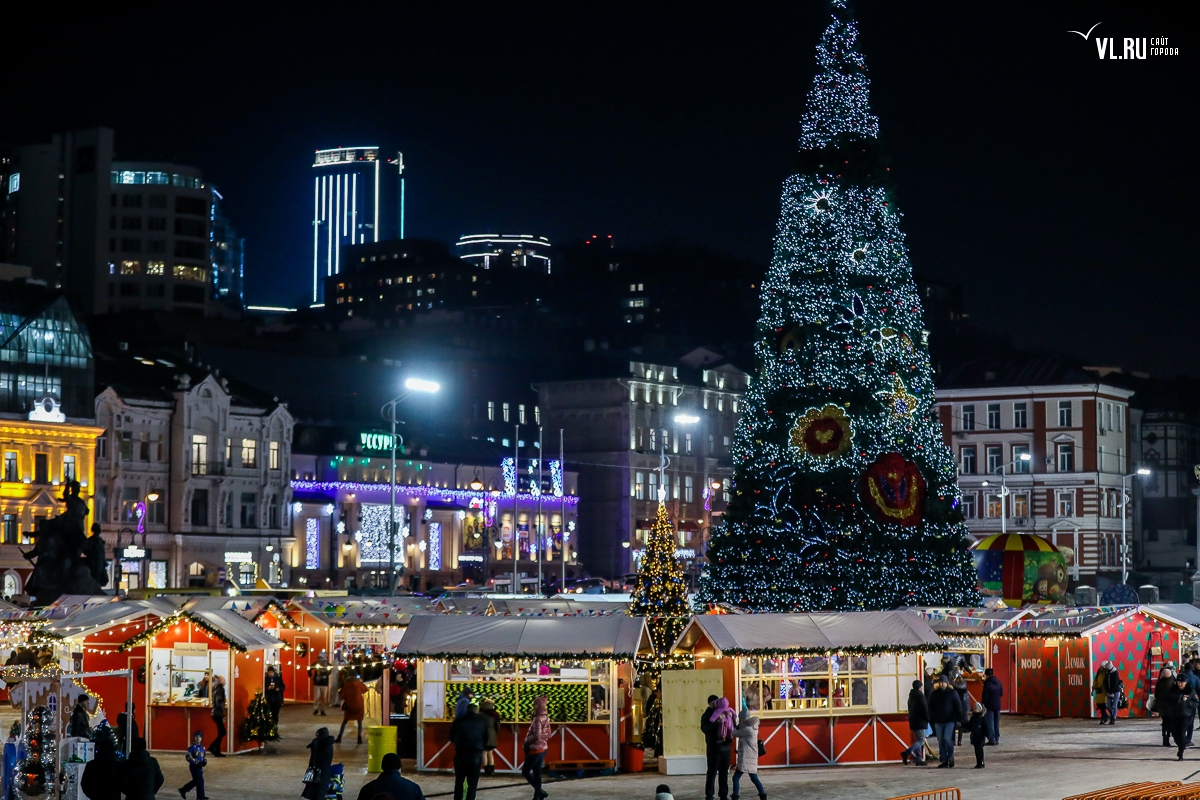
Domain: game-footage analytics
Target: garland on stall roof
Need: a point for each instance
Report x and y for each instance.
(175, 619)
(582, 655)
(875, 650)
(281, 615)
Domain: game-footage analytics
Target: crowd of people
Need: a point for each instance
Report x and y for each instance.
(941, 706)
(1176, 697)
(475, 733)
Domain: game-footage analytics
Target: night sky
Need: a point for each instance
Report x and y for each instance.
(1049, 183)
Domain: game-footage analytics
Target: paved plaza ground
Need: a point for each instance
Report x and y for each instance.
(1038, 759)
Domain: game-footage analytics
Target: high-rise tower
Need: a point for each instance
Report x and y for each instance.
(357, 198)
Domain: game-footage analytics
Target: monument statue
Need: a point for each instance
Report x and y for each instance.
(65, 560)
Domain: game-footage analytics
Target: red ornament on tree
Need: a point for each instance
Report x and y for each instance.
(894, 490)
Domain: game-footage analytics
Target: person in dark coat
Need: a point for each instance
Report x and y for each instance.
(123, 723)
(469, 735)
(965, 701)
(1176, 703)
(918, 721)
(718, 747)
(945, 710)
(141, 777)
(390, 783)
(273, 692)
(978, 726)
(1114, 689)
(80, 723)
(488, 709)
(218, 715)
(1193, 676)
(97, 781)
(1166, 679)
(321, 757)
(990, 696)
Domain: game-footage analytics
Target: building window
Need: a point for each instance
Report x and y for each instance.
(993, 506)
(968, 418)
(1020, 465)
(1020, 504)
(993, 412)
(687, 443)
(1120, 418)
(504, 411)
(249, 453)
(1020, 416)
(8, 529)
(274, 455)
(200, 507)
(199, 454)
(229, 452)
(968, 461)
(1066, 458)
(273, 513)
(995, 459)
(491, 410)
(249, 508)
(1100, 458)
(10, 467)
(639, 488)
(102, 503)
(725, 485)
(1064, 502)
(156, 510)
(130, 497)
(537, 415)
(687, 488)
(653, 438)
(968, 505)
(102, 446)
(521, 413)
(126, 446)
(652, 487)
(41, 468)
(1064, 413)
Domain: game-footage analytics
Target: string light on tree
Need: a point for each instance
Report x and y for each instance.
(844, 494)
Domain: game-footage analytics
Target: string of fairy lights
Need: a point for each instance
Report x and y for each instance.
(845, 496)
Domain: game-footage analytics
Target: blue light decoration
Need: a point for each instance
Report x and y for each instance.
(509, 467)
(435, 545)
(372, 533)
(535, 486)
(312, 543)
(140, 511)
(556, 478)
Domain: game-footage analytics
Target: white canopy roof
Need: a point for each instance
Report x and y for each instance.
(454, 636)
(834, 631)
(94, 619)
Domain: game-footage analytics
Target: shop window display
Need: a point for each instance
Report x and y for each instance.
(576, 691)
(787, 684)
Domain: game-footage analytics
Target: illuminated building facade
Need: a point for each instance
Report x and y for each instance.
(505, 251)
(358, 197)
(46, 433)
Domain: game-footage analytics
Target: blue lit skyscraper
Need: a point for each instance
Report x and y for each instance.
(357, 198)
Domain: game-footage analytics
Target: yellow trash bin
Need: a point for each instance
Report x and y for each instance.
(381, 740)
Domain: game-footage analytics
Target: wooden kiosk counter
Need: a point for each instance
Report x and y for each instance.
(574, 661)
(829, 688)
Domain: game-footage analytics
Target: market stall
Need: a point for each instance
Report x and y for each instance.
(968, 642)
(575, 661)
(1056, 654)
(303, 637)
(830, 688)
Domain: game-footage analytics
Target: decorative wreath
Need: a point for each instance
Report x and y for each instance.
(824, 432)
(893, 489)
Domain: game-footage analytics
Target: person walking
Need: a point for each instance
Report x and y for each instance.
(537, 740)
(352, 705)
(142, 777)
(1193, 679)
(196, 760)
(100, 781)
(320, 679)
(979, 726)
(990, 695)
(391, 783)
(488, 709)
(320, 760)
(965, 701)
(125, 721)
(746, 735)
(1166, 678)
(468, 734)
(1114, 691)
(218, 715)
(918, 723)
(465, 698)
(945, 710)
(273, 692)
(80, 724)
(1177, 704)
(717, 724)
(1100, 692)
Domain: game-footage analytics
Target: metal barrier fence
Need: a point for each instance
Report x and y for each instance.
(1170, 790)
(937, 794)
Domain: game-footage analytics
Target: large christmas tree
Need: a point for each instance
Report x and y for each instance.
(844, 494)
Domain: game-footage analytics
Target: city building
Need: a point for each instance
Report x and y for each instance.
(47, 431)
(505, 251)
(398, 278)
(456, 502)
(1057, 438)
(228, 256)
(192, 480)
(115, 235)
(357, 198)
(617, 415)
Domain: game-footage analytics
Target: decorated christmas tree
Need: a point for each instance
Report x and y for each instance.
(660, 595)
(844, 492)
(259, 725)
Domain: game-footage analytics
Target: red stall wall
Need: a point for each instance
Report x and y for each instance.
(1128, 643)
(248, 679)
(1037, 677)
(172, 726)
(1076, 686)
(582, 742)
(1002, 663)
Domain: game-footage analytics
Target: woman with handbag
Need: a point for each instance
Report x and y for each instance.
(748, 750)
(316, 777)
(218, 715)
(488, 709)
(537, 741)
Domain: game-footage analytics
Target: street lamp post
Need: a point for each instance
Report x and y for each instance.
(1024, 457)
(1124, 502)
(412, 385)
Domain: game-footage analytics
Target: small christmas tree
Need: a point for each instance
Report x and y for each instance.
(660, 595)
(259, 725)
(35, 772)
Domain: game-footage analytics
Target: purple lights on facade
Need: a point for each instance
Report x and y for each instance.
(464, 496)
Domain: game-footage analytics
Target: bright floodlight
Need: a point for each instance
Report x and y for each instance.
(1143, 471)
(686, 419)
(152, 497)
(418, 385)
(1026, 457)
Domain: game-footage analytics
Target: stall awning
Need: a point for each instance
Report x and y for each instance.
(840, 632)
(1083, 621)
(537, 607)
(969, 621)
(445, 636)
(379, 612)
(94, 619)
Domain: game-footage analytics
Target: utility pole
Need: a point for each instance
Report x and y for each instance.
(562, 511)
(516, 537)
